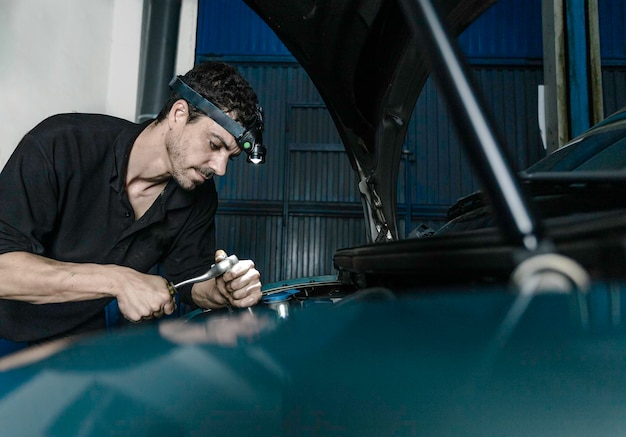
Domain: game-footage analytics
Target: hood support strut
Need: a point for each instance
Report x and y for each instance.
(486, 153)
(511, 208)
(379, 230)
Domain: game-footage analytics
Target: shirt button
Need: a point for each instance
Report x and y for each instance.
(127, 214)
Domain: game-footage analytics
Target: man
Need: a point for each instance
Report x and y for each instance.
(89, 204)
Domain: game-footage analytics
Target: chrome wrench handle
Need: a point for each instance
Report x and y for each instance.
(217, 269)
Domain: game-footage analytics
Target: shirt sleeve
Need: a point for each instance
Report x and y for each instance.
(29, 192)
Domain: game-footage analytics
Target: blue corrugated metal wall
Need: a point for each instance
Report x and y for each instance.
(229, 27)
(508, 32)
(612, 31)
(440, 175)
(293, 213)
(612, 17)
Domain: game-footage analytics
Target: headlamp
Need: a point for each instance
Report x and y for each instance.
(249, 139)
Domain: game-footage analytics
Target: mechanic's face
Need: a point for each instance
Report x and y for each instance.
(199, 150)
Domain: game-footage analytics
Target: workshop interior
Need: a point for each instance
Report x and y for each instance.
(437, 208)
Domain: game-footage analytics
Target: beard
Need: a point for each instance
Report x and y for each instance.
(183, 181)
(181, 171)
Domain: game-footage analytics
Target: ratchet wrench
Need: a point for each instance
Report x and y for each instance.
(217, 269)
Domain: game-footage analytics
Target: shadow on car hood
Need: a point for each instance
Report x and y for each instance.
(368, 68)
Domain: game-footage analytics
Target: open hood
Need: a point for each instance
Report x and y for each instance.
(367, 66)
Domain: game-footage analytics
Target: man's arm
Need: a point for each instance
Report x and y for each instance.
(32, 278)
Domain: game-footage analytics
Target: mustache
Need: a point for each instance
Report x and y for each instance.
(207, 173)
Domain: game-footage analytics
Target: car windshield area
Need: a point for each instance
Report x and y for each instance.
(601, 149)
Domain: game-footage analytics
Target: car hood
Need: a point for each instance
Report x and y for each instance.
(368, 68)
(471, 364)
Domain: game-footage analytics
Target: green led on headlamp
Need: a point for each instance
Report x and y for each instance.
(249, 139)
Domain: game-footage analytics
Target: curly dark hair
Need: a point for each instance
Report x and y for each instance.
(223, 86)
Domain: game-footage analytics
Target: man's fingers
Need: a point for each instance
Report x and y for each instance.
(150, 311)
(220, 255)
(244, 268)
(247, 300)
(170, 307)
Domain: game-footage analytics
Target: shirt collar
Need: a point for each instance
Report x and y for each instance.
(173, 196)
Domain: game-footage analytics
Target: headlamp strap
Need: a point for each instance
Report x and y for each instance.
(219, 116)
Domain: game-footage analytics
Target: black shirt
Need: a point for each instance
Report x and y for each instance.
(62, 196)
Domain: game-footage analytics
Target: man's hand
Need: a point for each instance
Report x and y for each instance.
(239, 287)
(144, 297)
